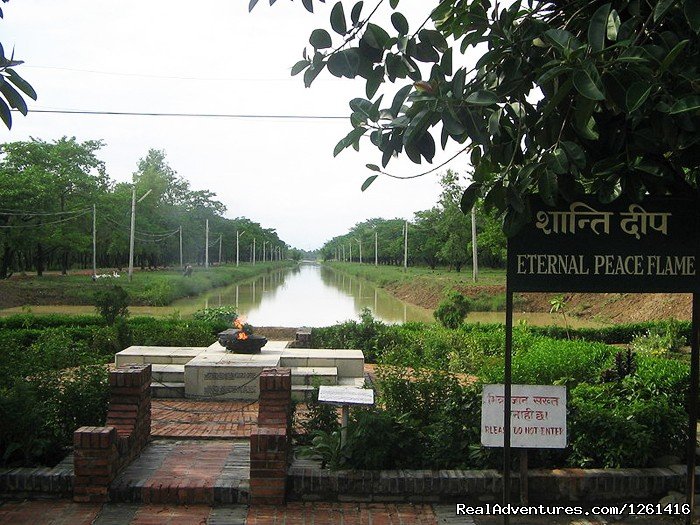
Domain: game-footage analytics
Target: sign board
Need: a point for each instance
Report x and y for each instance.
(345, 395)
(538, 416)
(585, 246)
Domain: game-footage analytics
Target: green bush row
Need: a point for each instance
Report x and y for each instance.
(624, 410)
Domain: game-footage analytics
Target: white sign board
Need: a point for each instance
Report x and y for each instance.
(345, 395)
(538, 416)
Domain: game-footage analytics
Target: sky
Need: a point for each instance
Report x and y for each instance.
(212, 57)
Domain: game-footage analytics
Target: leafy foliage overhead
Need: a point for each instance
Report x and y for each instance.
(565, 98)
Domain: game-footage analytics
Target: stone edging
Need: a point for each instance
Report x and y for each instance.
(307, 482)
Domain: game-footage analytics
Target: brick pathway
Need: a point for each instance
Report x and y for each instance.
(186, 472)
(182, 418)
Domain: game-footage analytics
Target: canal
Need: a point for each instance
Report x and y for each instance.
(307, 295)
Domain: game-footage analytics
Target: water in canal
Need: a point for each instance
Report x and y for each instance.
(307, 295)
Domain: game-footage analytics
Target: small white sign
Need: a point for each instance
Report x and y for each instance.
(537, 416)
(345, 395)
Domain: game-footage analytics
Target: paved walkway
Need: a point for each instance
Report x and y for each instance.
(182, 418)
(62, 512)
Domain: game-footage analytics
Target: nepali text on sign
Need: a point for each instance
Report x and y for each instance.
(538, 416)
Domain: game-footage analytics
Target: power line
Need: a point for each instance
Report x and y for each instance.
(4, 211)
(197, 115)
(41, 225)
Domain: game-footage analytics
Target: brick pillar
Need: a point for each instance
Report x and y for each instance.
(95, 461)
(269, 442)
(130, 407)
(100, 452)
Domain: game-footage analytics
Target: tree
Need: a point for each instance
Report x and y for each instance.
(569, 98)
(60, 179)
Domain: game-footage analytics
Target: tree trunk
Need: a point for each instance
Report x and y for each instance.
(64, 263)
(5, 262)
(39, 260)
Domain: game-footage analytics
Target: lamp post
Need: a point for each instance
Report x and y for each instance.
(376, 251)
(133, 227)
(263, 250)
(238, 236)
(359, 242)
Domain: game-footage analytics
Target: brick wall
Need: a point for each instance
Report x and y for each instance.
(270, 441)
(100, 452)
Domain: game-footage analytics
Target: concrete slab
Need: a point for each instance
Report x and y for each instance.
(156, 355)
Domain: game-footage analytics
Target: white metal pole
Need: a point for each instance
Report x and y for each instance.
(181, 265)
(94, 240)
(206, 245)
(253, 250)
(360, 243)
(131, 237)
(351, 252)
(475, 263)
(405, 246)
(376, 252)
(220, 237)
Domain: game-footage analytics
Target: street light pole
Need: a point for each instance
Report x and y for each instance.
(206, 246)
(405, 246)
(133, 227)
(376, 252)
(253, 251)
(238, 235)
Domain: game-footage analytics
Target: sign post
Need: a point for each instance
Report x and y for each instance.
(585, 246)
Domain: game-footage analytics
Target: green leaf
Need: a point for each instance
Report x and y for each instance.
(637, 93)
(453, 126)
(609, 190)
(365, 108)
(338, 19)
(613, 25)
(393, 3)
(344, 63)
(597, 28)
(513, 221)
(672, 55)
(575, 153)
(661, 7)
(13, 97)
(692, 14)
(373, 167)
(300, 66)
(320, 39)
(458, 83)
(587, 86)
(5, 114)
(311, 73)
(496, 197)
(435, 38)
(691, 103)
(561, 39)
(308, 5)
(483, 98)
(374, 81)
(356, 11)
(368, 181)
(400, 23)
(548, 187)
(375, 36)
(350, 139)
(557, 161)
(469, 197)
(418, 125)
(251, 5)
(399, 99)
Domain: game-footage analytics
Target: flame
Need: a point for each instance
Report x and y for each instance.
(238, 324)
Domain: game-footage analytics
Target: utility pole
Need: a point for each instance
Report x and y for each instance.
(238, 235)
(376, 252)
(264, 243)
(133, 227)
(351, 252)
(181, 265)
(475, 264)
(206, 245)
(220, 238)
(359, 242)
(253, 251)
(94, 240)
(405, 246)
(343, 253)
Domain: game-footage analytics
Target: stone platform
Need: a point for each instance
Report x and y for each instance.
(213, 373)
